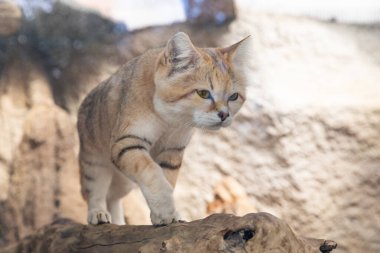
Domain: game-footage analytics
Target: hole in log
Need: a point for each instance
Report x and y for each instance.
(328, 246)
(245, 234)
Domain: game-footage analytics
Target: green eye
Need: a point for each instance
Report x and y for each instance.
(233, 97)
(204, 94)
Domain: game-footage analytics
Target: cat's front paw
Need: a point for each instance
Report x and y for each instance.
(97, 216)
(164, 218)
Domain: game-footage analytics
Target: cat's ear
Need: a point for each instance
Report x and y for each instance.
(180, 52)
(239, 52)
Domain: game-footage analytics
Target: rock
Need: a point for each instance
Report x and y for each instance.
(230, 197)
(43, 163)
(253, 233)
(10, 18)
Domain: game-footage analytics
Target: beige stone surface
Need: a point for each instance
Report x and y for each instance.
(230, 197)
(10, 18)
(316, 170)
(37, 183)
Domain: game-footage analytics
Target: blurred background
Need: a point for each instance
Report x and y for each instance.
(305, 147)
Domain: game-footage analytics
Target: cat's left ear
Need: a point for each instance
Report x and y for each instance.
(180, 51)
(239, 52)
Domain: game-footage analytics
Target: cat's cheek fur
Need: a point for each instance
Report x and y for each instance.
(234, 107)
(206, 119)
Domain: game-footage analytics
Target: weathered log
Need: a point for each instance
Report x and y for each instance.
(253, 233)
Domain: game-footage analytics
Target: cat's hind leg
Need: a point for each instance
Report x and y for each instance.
(115, 206)
(120, 186)
(95, 181)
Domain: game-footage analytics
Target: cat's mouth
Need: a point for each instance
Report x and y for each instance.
(221, 124)
(218, 124)
(215, 126)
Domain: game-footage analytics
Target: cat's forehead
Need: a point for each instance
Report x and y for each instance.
(215, 60)
(216, 68)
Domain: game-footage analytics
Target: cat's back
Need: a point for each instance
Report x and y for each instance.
(135, 76)
(132, 84)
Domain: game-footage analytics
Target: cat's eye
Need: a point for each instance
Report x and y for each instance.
(204, 94)
(233, 97)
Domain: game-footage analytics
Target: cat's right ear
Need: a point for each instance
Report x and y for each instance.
(180, 52)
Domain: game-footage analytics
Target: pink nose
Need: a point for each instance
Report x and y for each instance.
(223, 115)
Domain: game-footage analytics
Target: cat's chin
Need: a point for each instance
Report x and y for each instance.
(216, 126)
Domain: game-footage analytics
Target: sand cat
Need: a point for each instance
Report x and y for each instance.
(134, 127)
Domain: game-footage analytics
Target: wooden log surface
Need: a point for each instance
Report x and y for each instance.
(252, 233)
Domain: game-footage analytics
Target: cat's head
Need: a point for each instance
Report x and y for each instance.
(201, 87)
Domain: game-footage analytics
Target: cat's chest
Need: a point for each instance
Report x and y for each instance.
(160, 134)
(172, 137)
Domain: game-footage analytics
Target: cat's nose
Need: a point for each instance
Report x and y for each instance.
(223, 115)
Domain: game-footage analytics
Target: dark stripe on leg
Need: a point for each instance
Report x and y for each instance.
(133, 137)
(169, 166)
(124, 150)
(88, 177)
